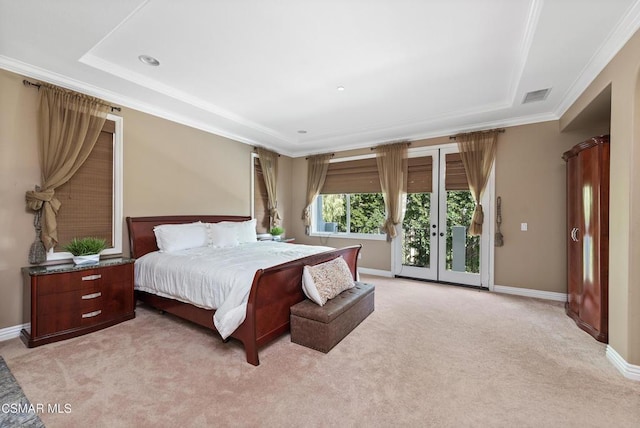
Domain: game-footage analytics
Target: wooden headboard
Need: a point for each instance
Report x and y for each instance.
(142, 240)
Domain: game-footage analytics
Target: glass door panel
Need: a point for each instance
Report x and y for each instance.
(459, 252)
(416, 249)
(416, 231)
(461, 262)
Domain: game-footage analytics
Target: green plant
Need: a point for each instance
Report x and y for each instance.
(277, 230)
(85, 246)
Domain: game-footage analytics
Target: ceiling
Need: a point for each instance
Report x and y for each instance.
(268, 72)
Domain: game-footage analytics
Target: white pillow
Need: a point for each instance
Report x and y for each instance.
(326, 280)
(246, 230)
(176, 237)
(221, 236)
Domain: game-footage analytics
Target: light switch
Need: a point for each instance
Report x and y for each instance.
(523, 227)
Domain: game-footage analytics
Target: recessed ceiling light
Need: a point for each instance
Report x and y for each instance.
(149, 60)
(340, 88)
(302, 131)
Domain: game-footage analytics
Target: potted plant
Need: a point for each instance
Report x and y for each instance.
(276, 232)
(86, 250)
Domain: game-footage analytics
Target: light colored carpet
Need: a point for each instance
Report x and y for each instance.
(430, 355)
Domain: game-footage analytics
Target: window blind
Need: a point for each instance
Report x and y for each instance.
(357, 176)
(361, 176)
(455, 176)
(87, 198)
(419, 178)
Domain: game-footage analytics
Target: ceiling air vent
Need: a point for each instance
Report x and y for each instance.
(538, 95)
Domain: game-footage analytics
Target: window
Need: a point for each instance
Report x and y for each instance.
(350, 213)
(351, 200)
(92, 198)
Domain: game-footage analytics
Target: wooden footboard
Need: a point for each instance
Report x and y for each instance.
(273, 291)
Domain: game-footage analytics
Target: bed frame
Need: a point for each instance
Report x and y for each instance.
(273, 291)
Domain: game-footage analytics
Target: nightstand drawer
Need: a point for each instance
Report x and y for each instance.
(82, 280)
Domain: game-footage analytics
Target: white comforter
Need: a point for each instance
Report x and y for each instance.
(214, 278)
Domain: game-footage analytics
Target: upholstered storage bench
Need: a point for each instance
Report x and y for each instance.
(322, 327)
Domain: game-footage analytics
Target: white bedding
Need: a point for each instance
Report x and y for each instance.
(214, 278)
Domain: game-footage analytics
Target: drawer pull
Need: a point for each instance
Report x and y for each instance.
(91, 296)
(91, 277)
(92, 314)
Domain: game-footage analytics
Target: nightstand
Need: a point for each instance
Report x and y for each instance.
(72, 300)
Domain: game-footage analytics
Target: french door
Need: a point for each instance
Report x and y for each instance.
(433, 243)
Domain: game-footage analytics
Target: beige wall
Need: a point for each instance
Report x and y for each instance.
(622, 73)
(19, 172)
(168, 169)
(530, 179)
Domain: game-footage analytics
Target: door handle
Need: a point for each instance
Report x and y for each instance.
(441, 233)
(574, 234)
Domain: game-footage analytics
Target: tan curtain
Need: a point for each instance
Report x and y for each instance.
(477, 150)
(69, 127)
(269, 164)
(317, 167)
(392, 169)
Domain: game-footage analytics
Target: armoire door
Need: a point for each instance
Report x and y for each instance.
(588, 235)
(574, 245)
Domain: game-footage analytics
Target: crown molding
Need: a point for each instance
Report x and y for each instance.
(441, 132)
(33, 72)
(625, 29)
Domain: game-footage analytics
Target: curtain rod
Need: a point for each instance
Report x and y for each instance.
(25, 82)
(500, 130)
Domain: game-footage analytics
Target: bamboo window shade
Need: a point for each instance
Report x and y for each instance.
(420, 175)
(260, 199)
(455, 177)
(87, 198)
(357, 176)
(361, 176)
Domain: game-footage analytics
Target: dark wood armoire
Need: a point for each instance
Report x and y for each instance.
(588, 235)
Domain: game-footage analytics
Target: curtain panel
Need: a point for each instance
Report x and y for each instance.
(478, 151)
(392, 168)
(69, 126)
(317, 167)
(269, 164)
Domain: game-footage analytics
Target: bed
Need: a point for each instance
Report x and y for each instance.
(272, 292)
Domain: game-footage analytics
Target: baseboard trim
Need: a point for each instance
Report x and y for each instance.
(629, 371)
(12, 332)
(376, 272)
(528, 292)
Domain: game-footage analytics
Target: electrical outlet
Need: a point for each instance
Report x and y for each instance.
(524, 227)
(359, 256)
